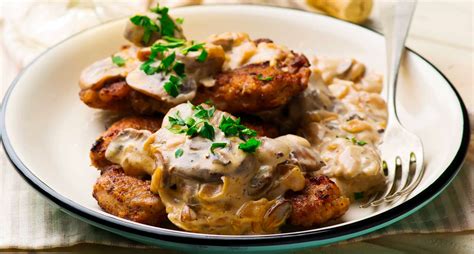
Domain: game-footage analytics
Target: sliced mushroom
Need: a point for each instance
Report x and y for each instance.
(134, 33)
(127, 150)
(277, 214)
(97, 74)
(201, 70)
(153, 85)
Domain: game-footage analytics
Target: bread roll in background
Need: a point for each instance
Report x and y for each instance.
(356, 11)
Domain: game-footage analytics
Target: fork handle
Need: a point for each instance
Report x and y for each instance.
(397, 21)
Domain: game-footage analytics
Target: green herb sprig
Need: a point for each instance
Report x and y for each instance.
(118, 60)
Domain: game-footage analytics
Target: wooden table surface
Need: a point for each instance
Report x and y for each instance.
(443, 33)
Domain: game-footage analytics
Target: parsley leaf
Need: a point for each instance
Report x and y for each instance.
(167, 24)
(176, 120)
(172, 86)
(232, 127)
(180, 20)
(356, 142)
(217, 145)
(203, 113)
(178, 67)
(148, 25)
(173, 39)
(166, 62)
(207, 131)
(250, 146)
(229, 126)
(262, 78)
(118, 60)
(178, 153)
(194, 47)
(203, 56)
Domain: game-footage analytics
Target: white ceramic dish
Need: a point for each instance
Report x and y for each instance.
(47, 131)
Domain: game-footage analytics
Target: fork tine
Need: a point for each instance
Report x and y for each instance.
(420, 171)
(392, 185)
(408, 170)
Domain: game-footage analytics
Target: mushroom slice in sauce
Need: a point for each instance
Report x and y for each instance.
(134, 33)
(203, 71)
(127, 150)
(153, 86)
(97, 74)
(223, 191)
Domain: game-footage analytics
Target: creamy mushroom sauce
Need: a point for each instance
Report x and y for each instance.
(241, 50)
(344, 121)
(96, 74)
(227, 191)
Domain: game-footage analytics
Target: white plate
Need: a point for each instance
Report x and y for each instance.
(47, 131)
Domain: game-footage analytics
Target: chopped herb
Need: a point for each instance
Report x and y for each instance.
(207, 131)
(176, 120)
(148, 69)
(262, 78)
(180, 20)
(190, 121)
(118, 60)
(167, 24)
(356, 142)
(172, 86)
(358, 195)
(166, 62)
(178, 153)
(173, 39)
(194, 47)
(232, 127)
(217, 145)
(203, 113)
(229, 126)
(192, 131)
(203, 56)
(250, 146)
(249, 132)
(178, 67)
(148, 25)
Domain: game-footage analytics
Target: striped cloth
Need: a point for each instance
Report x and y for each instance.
(28, 221)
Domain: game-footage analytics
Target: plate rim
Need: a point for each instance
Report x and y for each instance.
(337, 233)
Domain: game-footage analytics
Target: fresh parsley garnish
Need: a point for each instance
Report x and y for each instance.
(203, 56)
(176, 120)
(178, 153)
(250, 146)
(262, 78)
(172, 86)
(356, 142)
(173, 39)
(149, 26)
(180, 20)
(166, 23)
(232, 127)
(192, 48)
(167, 62)
(217, 145)
(192, 127)
(178, 67)
(203, 113)
(207, 131)
(118, 60)
(196, 47)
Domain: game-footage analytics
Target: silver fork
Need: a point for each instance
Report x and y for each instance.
(401, 150)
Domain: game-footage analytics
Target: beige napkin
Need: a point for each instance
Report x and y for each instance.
(27, 220)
